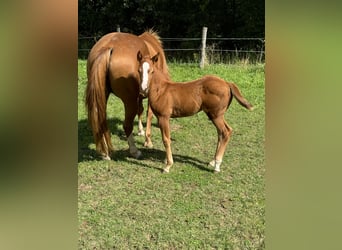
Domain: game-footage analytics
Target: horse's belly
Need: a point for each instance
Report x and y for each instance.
(184, 111)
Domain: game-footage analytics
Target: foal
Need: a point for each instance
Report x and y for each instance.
(169, 99)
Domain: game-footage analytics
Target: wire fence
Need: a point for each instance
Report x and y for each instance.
(218, 49)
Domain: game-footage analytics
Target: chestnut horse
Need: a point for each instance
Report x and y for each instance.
(112, 67)
(168, 99)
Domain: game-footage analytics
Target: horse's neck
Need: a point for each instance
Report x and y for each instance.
(154, 45)
(163, 67)
(158, 82)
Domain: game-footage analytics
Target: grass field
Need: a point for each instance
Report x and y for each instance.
(129, 204)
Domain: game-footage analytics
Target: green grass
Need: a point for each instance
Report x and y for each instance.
(129, 204)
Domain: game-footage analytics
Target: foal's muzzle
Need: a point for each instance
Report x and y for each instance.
(143, 92)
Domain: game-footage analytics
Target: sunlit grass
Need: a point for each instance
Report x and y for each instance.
(127, 203)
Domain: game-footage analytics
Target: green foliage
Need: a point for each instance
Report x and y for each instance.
(225, 18)
(127, 203)
(180, 19)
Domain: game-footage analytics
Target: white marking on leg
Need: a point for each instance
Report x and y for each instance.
(216, 164)
(167, 169)
(141, 128)
(144, 82)
(105, 157)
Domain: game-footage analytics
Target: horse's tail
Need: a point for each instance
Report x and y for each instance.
(238, 96)
(96, 101)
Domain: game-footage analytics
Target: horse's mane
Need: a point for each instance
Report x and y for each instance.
(152, 34)
(152, 38)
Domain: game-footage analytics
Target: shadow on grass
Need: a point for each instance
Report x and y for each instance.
(85, 138)
(157, 155)
(85, 153)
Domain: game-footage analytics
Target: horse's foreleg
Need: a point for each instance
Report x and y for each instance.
(130, 113)
(148, 142)
(223, 132)
(164, 124)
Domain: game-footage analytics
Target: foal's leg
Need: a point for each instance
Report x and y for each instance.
(164, 124)
(130, 112)
(223, 132)
(149, 115)
(148, 143)
(140, 112)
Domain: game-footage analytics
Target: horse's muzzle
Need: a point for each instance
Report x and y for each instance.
(143, 93)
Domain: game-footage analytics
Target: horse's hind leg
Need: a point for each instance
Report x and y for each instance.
(223, 132)
(130, 113)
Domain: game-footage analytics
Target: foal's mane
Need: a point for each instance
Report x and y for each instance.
(152, 38)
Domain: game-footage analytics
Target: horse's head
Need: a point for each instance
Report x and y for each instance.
(146, 70)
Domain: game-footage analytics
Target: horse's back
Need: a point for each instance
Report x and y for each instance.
(122, 41)
(124, 47)
(123, 64)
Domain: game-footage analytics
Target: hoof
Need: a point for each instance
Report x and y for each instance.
(141, 133)
(216, 165)
(136, 154)
(148, 145)
(167, 169)
(105, 157)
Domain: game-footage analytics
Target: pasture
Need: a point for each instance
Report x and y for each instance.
(129, 204)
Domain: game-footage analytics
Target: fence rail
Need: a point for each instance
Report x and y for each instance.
(218, 49)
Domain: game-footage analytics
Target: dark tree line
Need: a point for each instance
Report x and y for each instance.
(177, 18)
(224, 18)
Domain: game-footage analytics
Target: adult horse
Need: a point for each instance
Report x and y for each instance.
(168, 99)
(112, 67)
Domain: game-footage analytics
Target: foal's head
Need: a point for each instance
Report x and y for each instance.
(146, 70)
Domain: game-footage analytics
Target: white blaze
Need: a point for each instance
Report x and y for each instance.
(144, 82)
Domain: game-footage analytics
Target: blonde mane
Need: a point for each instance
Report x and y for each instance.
(155, 45)
(154, 33)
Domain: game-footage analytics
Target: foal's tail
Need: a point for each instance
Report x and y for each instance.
(238, 96)
(96, 100)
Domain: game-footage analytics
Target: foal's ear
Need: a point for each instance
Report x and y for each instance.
(139, 56)
(155, 58)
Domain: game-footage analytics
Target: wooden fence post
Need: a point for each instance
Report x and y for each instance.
(204, 40)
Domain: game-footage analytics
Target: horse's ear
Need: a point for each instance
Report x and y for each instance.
(155, 58)
(139, 56)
